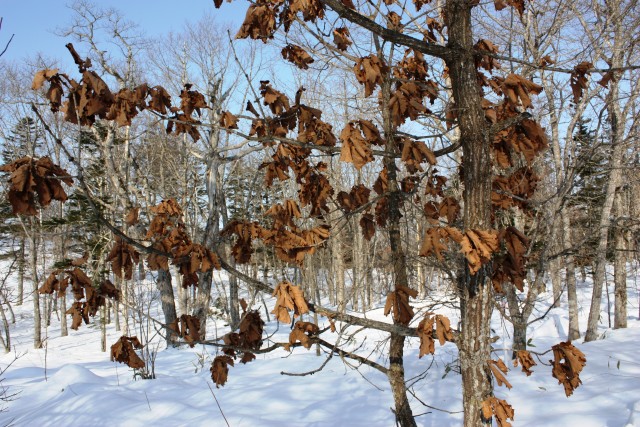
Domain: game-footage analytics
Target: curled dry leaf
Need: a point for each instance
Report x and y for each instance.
(580, 79)
(288, 297)
(341, 38)
(123, 351)
(34, 179)
(516, 90)
(524, 358)
(259, 23)
(499, 369)
(297, 56)
(369, 71)
(567, 364)
(187, 327)
(356, 198)
(355, 149)
(368, 226)
(434, 243)
(443, 329)
(398, 303)
(483, 59)
(275, 100)
(122, 257)
(414, 153)
(498, 407)
(425, 333)
(302, 332)
(228, 120)
(220, 369)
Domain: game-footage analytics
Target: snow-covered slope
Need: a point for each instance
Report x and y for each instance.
(72, 382)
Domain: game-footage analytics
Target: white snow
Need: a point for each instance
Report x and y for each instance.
(71, 382)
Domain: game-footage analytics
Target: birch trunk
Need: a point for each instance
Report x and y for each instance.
(615, 163)
(620, 269)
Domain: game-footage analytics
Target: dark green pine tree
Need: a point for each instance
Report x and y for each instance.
(589, 191)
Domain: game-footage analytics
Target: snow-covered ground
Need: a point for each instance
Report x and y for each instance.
(71, 382)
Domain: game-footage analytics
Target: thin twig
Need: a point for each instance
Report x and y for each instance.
(218, 403)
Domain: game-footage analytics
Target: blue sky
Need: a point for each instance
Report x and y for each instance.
(34, 21)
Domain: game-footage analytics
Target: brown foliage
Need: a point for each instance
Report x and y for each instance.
(288, 297)
(498, 407)
(297, 55)
(369, 71)
(35, 179)
(515, 189)
(123, 351)
(341, 38)
(580, 79)
(302, 332)
(398, 303)
(499, 369)
(426, 331)
(414, 153)
(355, 149)
(220, 369)
(356, 198)
(524, 358)
(567, 364)
(187, 328)
(434, 242)
(483, 60)
(516, 90)
(122, 257)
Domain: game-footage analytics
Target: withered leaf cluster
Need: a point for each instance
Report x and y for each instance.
(398, 303)
(567, 362)
(498, 407)
(354, 199)
(88, 299)
(414, 153)
(510, 266)
(291, 243)
(302, 332)
(168, 234)
(90, 99)
(220, 369)
(122, 258)
(341, 38)
(411, 87)
(288, 297)
(186, 327)
(580, 79)
(35, 179)
(443, 332)
(123, 351)
(514, 190)
(523, 357)
(369, 72)
(248, 337)
(478, 246)
(297, 56)
(499, 370)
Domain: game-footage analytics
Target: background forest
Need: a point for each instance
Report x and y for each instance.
(362, 180)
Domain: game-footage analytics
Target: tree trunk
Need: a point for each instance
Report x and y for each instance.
(570, 278)
(37, 319)
(395, 373)
(615, 162)
(620, 270)
(168, 303)
(21, 266)
(338, 272)
(475, 291)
